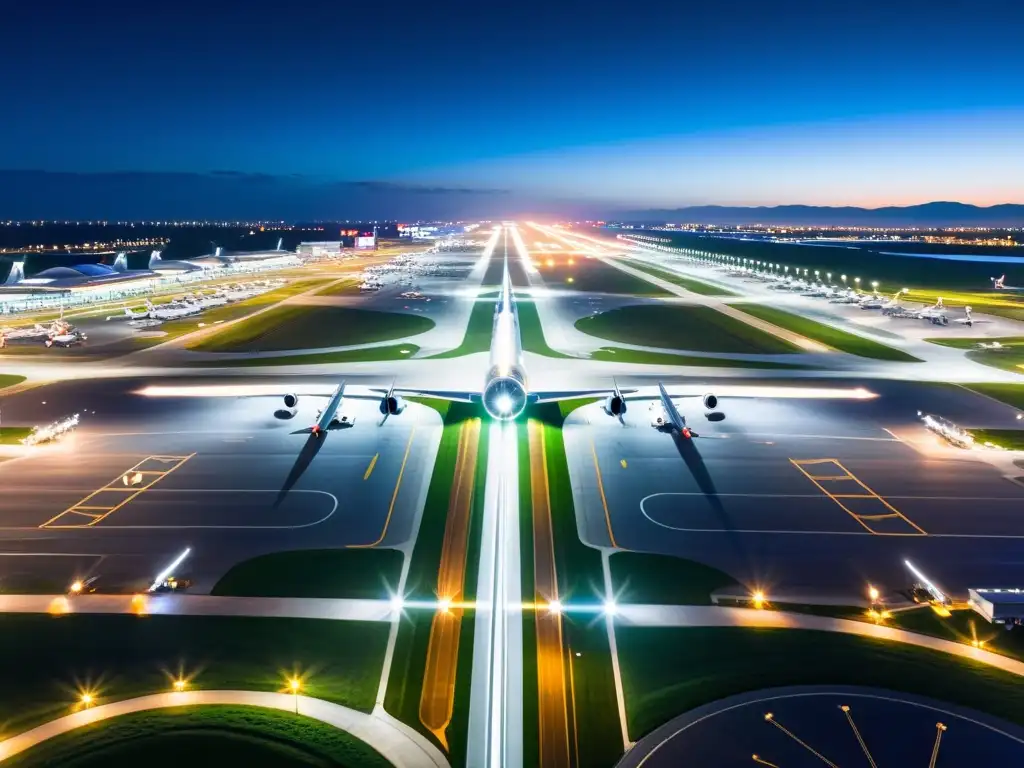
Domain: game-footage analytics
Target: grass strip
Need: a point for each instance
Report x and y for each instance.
(690, 284)
(667, 671)
(305, 327)
(834, 337)
(121, 656)
(1010, 394)
(203, 735)
(686, 327)
(337, 573)
(10, 379)
(662, 579)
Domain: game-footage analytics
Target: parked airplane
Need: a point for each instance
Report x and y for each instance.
(668, 418)
(999, 284)
(968, 319)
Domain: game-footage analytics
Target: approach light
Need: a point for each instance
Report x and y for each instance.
(87, 699)
(295, 684)
(179, 685)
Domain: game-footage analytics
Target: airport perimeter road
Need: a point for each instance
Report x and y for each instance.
(438, 694)
(202, 605)
(715, 616)
(396, 742)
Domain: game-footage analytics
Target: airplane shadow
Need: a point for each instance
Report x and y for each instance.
(695, 463)
(306, 455)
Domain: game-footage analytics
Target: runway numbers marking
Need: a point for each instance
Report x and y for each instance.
(126, 486)
(873, 512)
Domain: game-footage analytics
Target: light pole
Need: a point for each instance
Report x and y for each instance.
(294, 684)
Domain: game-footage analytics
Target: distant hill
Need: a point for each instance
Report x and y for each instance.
(939, 214)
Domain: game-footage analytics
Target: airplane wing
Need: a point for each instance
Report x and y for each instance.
(555, 396)
(440, 394)
(754, 390)
(255, 390)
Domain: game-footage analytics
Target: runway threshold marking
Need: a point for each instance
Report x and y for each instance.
(394, 496)
(889, 512)
(604, 499)
(122, 484)
(369, 469)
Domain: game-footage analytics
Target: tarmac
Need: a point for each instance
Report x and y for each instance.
(142, 479)
(810, 495)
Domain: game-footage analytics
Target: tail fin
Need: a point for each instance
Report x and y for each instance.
(154, 259)
(17, 273)
(121, 262)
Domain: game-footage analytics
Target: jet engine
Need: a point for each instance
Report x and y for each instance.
(710, 401)
(615, 405)
(392, 405)
(291, 401)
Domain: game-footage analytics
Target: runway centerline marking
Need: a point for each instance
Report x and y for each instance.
(891, 514)
(133, 491)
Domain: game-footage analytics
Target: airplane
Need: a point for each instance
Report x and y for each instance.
(172, 312)
(999, 284)
(991, 345)
(872, 302)
(969, 320)
(669, 418)
(65, 339)
(142, 314)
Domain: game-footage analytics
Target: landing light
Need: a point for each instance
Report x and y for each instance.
(503, 404)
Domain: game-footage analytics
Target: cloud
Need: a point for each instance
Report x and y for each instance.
(231, 194)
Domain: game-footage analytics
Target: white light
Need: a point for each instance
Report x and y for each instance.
(936, 592)
(162, 577)
(397, 603)
(610, 608)
(503, 404)
(555, 607)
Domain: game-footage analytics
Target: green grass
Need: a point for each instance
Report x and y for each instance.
(532, 332)
(531, 722)
(580, 578)
(1011, 394)
(203, 735)
(694, 286)
(696, 328)
(366, 354)
(356, 573)
(49, 660)
(10, 379)
(175, 328)
(13, 435)
(405, 683)
(972, 343)
(640, 356)
(348, 287)
(662, 579)
(1010, 439)
(589, 275)
(478, 330)
(302, 327)
(666, 672)
(826, 334)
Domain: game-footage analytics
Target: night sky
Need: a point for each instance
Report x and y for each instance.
(343, 109)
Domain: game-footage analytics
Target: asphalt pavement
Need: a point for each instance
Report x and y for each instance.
(142, 479)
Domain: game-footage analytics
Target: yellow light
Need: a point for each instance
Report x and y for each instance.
(758, 599)
(294, 684)
(76, 587)
(550, 262)
(179, 685)
(873, 594)
(87, 699)
(568, 279)
(572, 261)
(445, 604)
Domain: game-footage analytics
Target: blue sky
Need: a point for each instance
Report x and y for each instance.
(538, 105)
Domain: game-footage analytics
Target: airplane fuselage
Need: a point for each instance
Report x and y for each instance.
(505, 391)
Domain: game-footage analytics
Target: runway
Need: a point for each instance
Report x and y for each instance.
(142, 479)
(805, 495)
